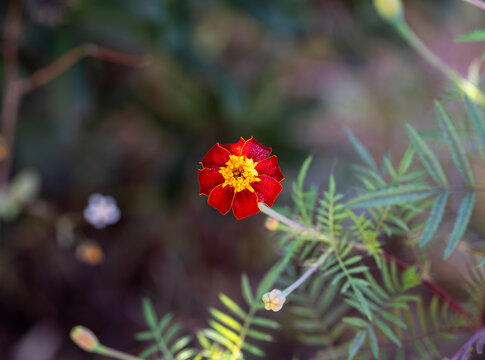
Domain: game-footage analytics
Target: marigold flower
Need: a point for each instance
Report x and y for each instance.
(239, 176)
(101, 211)
(274, 300)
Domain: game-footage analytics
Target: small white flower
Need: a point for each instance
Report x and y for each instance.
(101, 211)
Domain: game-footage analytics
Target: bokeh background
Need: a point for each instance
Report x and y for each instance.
(292, 73)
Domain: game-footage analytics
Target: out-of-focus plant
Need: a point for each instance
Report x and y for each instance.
(333, 265)
(392, 11)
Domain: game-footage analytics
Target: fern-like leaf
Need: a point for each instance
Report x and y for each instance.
(163, 334)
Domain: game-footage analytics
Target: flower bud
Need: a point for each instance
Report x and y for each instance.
(3, 149)
(271, 224)
(89, 252)
(274, 300)
(390, 10)
(84, 338)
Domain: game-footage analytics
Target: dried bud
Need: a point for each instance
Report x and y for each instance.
(3, 149)
(390, 10)
(271, 224)
(89, 252)
(84, 338)
(274, 300)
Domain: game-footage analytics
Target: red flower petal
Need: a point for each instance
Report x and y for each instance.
(221, 198)
(209, 178)
(254, 150)
(267, 189)
(245, 204)
(217, 156)
(235, 148)
(270, 167)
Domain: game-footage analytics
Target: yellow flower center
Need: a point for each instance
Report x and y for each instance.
(240, 172)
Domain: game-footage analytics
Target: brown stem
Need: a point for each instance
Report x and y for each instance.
(11, 101)
(57, 67)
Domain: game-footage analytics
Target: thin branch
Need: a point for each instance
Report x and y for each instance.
(466, 347)
(73, 56)
(116, 354)
(477, 3)
(11, 101)
(307, 273)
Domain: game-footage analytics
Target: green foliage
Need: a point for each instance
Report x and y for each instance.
(235, 331)
(394, 199)
(304, 200)
(361, 151)
(407, 194)
(478, 121)
(356, 301)
(392, 196)
(475, 35)
(456, 147)
(434, 219)
(350, 308)
(461, 223)
(331, 212)
(163, 334)
(428, 159)
(318, 313)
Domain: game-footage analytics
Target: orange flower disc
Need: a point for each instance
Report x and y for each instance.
(239, 176)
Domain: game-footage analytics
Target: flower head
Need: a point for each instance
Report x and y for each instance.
(274, 300)
(239, 176)
(101, 211)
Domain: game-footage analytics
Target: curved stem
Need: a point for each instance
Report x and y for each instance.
(465, 85)
(73, 56)
(116, 354)
(477, 3)
(307, 273)
(468, 344)
(283, 219)
(292, 223)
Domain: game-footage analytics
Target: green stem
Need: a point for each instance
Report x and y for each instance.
(291, 223)
(247, 323)
(283, 219)
(162, 346)
(307, 273)
(106, 351)
(466, 86)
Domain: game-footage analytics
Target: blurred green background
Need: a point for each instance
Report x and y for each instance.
(291, 73)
